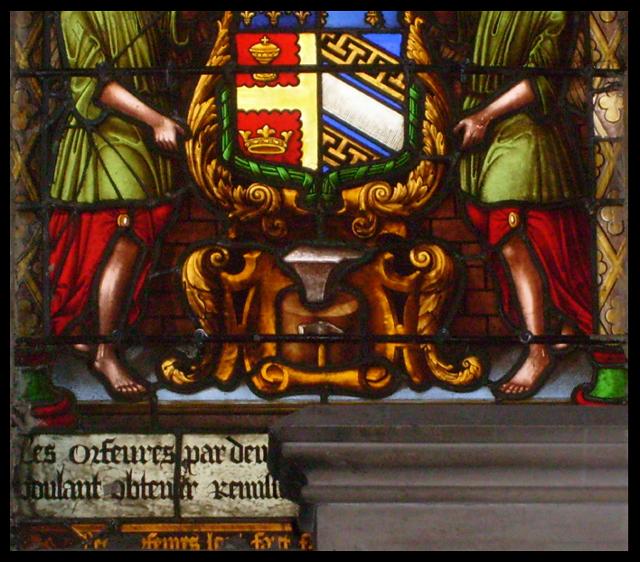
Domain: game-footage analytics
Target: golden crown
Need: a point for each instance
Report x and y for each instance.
(266, 142)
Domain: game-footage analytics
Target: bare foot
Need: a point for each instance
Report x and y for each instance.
(567, 330)
(115, 373)
(529, 373)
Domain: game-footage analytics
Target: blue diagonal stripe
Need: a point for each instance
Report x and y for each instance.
(351, 79)
(343, 128)
(390, 42)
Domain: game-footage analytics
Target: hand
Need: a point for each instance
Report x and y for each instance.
(474, 128)
(166, 134)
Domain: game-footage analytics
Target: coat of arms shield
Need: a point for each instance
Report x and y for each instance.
(320, 142)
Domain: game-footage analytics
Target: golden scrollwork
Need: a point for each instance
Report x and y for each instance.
(470, 372)
(209, 291)
(380, 198)
(427, 291)
(203, 289)
(211, 285)
(277, 378)
(434, 289)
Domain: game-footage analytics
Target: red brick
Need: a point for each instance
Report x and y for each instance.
(452, 229)
(179, 326)
(446, 209)
(200, 211)
(470, 250)
(151, 326)
(164, 305)
(489, 279)
(170, 255)
(184, 210)
(480, 302)
(497, 327)
(163, 284)
(426, 230)
(469, 326)
(475, 277)
(191, 231)
(183, 216)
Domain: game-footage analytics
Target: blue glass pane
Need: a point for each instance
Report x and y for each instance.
(343, 18)
(391, 18)
(259, 20)
(351, 132)
(390, 42)
(285, 21)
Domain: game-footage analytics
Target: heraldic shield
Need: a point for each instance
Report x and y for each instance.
(320, 146)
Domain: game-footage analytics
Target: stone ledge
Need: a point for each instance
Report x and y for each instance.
(470, 526)
(434, 422)
(552, 474)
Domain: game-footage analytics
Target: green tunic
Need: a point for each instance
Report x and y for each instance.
(526, 156)
(103, 157)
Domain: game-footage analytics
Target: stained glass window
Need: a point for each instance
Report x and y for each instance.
(221, 217)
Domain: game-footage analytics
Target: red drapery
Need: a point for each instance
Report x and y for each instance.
(79, 241)
(561, 241)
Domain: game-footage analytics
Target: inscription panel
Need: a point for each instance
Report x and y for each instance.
(128, 475)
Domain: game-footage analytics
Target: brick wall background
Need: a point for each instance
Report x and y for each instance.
(166, 311)
(477, 313)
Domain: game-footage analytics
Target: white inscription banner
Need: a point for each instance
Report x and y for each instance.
(130, 475)
(232, 476)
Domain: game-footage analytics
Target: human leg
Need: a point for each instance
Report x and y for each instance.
(529, 288)
(80, 242)
(556, 257)
(113, 289)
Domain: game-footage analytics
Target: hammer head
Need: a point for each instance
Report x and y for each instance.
(320, 328)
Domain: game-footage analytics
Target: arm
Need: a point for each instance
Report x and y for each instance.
(475, 126)
(544, 53)
(165, 130)
(84, 42)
